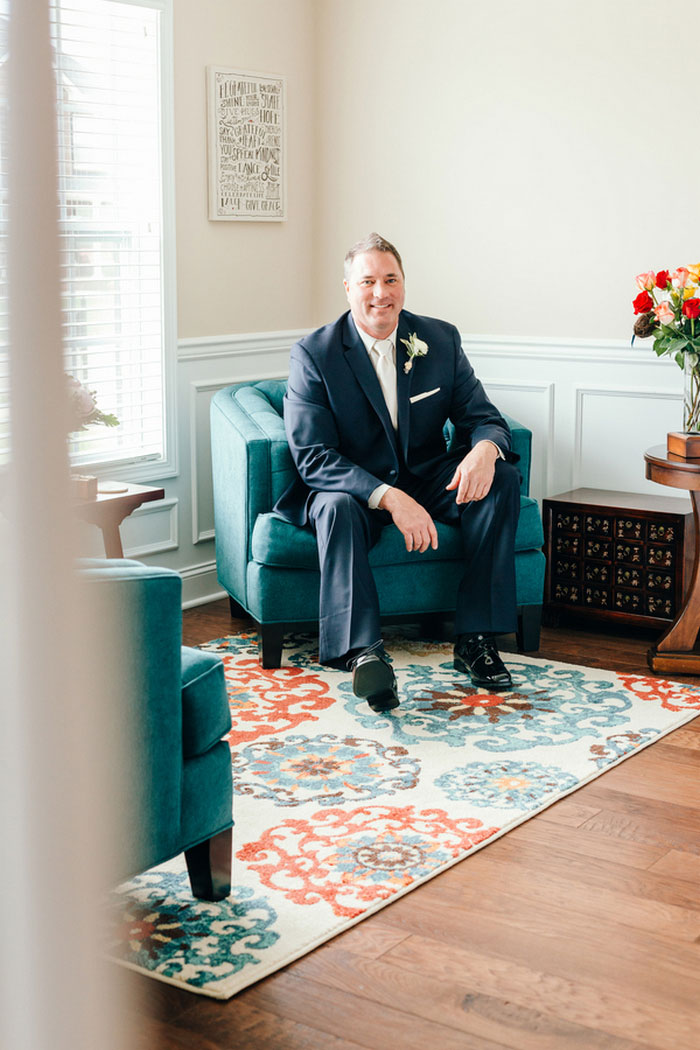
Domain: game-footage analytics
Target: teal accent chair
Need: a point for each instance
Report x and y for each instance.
(173, 784)
(269, 568)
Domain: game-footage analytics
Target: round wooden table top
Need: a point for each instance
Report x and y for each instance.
(666, 468)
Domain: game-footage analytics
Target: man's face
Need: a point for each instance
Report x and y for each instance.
(375, 291)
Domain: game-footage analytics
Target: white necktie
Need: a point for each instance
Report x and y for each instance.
(386, 374)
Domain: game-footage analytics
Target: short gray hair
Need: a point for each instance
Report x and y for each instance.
(372, 243)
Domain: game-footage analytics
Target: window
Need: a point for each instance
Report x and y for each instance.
(113, 61)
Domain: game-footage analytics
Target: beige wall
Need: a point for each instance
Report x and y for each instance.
(243, 276)
(528, 157)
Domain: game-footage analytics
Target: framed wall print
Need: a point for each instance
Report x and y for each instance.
(247, 149)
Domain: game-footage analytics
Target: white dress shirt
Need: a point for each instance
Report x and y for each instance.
(386, 381)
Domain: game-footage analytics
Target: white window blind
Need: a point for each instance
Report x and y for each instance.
(109, 84)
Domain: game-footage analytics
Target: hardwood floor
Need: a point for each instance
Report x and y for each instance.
(579, 929)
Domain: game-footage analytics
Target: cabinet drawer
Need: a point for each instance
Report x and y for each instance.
(597, 525)
(597, 597)
(567, 545)
(630, 528)
(597, 548)
(626, 576)
(629, 601)
(662, 532)
(660, 605)
(630, 553)
(660, 556)
(567, 521)
(597, 572)
(567, 569)
(569, 593)
(659, 581)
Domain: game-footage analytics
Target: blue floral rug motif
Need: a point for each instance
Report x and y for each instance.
(339, 811)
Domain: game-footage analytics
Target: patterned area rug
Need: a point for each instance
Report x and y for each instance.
(340, 811)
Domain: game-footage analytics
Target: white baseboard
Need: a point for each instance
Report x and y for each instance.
(200, 585)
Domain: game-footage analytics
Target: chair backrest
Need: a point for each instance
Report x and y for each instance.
(274, 390)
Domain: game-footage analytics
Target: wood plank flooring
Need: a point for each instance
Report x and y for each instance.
(578, 930)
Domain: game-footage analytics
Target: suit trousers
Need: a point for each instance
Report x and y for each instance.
(346, 530)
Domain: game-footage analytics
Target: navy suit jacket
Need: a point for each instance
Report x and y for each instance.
(338, 426)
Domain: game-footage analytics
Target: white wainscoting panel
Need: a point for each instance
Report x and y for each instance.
(152, 529)
(533, 405)
(201, 393)
(611, 425)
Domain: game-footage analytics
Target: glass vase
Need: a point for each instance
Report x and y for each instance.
(691, 394)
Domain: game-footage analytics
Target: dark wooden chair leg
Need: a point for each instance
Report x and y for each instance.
(237, 611)
(209, 867)
(271, 641)
(528, 630)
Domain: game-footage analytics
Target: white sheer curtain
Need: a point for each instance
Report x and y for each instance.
(53, 818)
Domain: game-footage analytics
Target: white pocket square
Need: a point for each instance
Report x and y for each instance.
(426, 393)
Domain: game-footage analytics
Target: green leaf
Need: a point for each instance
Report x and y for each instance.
(680, 359)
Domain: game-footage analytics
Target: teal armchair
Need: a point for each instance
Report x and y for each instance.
(269, 568)
(172, 780)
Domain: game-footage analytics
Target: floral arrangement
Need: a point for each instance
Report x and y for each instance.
(415, 347)
(669, 309)
(83, 408)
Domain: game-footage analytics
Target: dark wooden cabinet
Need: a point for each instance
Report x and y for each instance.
(617, 556)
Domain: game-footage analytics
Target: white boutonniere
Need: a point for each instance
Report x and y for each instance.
(415, 347)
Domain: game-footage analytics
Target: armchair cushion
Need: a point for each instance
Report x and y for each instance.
(206, 716)
(276, 542)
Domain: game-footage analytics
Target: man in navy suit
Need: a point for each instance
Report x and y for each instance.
(367, 399)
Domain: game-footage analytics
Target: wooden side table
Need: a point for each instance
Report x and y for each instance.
(676, 651)
(108, 509)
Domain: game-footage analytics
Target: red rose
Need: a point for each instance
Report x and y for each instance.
(691, 308)
(644, 303)
(662, 279)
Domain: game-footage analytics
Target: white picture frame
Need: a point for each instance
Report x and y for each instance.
(246, 146)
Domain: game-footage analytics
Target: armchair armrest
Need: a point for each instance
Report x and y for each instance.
(251, 467)
(139, 628)
(522, 445)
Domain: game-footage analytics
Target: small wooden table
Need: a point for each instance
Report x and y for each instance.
(108, 510)
(676, 651)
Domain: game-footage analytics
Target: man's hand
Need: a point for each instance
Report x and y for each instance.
(412, 520)
(474, 475)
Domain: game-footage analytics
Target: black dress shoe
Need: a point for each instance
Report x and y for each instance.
(373, 679)
(477, 656)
